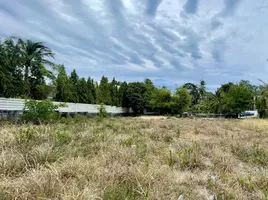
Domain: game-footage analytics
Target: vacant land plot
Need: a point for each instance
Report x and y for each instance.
(135, 158)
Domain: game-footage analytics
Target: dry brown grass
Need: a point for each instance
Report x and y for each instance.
(135, 158)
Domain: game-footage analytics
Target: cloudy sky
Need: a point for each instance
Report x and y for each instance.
(168, 41)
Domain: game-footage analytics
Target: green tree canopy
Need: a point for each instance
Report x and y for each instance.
(103, 92)
(63, 85)
(161, 100)
(34, 56)
(122, 93)
(91, 91)
(237, 99)
(82, 91)
(11, 76)
(136, 96)
(114, 92)
(182, 100)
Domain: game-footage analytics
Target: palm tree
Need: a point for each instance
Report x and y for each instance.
(202, 88)
(34, 55)
(193, 90)
(197, 92)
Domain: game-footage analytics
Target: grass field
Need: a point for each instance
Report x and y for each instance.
(135, 158)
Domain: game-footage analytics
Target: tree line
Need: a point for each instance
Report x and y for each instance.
(27, 71)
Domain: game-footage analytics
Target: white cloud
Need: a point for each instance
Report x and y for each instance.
(172, 40)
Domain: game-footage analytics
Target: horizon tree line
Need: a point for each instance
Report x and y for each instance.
(26, 71)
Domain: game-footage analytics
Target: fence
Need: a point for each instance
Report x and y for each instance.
(13, 107)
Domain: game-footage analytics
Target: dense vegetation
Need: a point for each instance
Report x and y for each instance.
(27, 71)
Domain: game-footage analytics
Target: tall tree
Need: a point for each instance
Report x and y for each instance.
(74, 78)
(114, 91)
(237, 99)
(202, 89)
(103, 93)
(208, 104)
(34, 57)
(194, 92)
(123, 100)
(181, 100)
(136, 96)
(254, 89)
(38, 86)
(11, 77)
(91, 91)
(150, 89)
(63, 86)
(161, 100)
(82, 91)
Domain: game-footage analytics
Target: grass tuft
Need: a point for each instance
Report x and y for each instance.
(134, 158)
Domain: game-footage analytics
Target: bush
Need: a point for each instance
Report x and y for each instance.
(189, 157)
(102, 112)
(40, 111)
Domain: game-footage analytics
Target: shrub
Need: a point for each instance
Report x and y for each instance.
(189, 158)
(40, 111)
(102, 112)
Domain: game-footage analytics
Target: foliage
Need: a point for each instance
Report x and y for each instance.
(237, 99)
(40, 111)
(102, 111)
(262, 107)
(136, 96)
(73, 79)
(182, 100)
(26, 71)
(161, 100)
(91, 91)
(208, 104)
(23, 68)
(122, 95)
(11, 78)
(34, 56)
(82, 91)
(103, 92)
(150, 90)
(193, 90)
(189, 158)
(197, 92)
(261, 101)
(114, 92)
(63, 86)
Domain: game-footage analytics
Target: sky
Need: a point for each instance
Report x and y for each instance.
(169, 41)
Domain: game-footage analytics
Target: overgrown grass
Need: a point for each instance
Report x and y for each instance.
(135, 158)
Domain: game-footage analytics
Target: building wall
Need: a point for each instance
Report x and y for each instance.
(14, 106)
